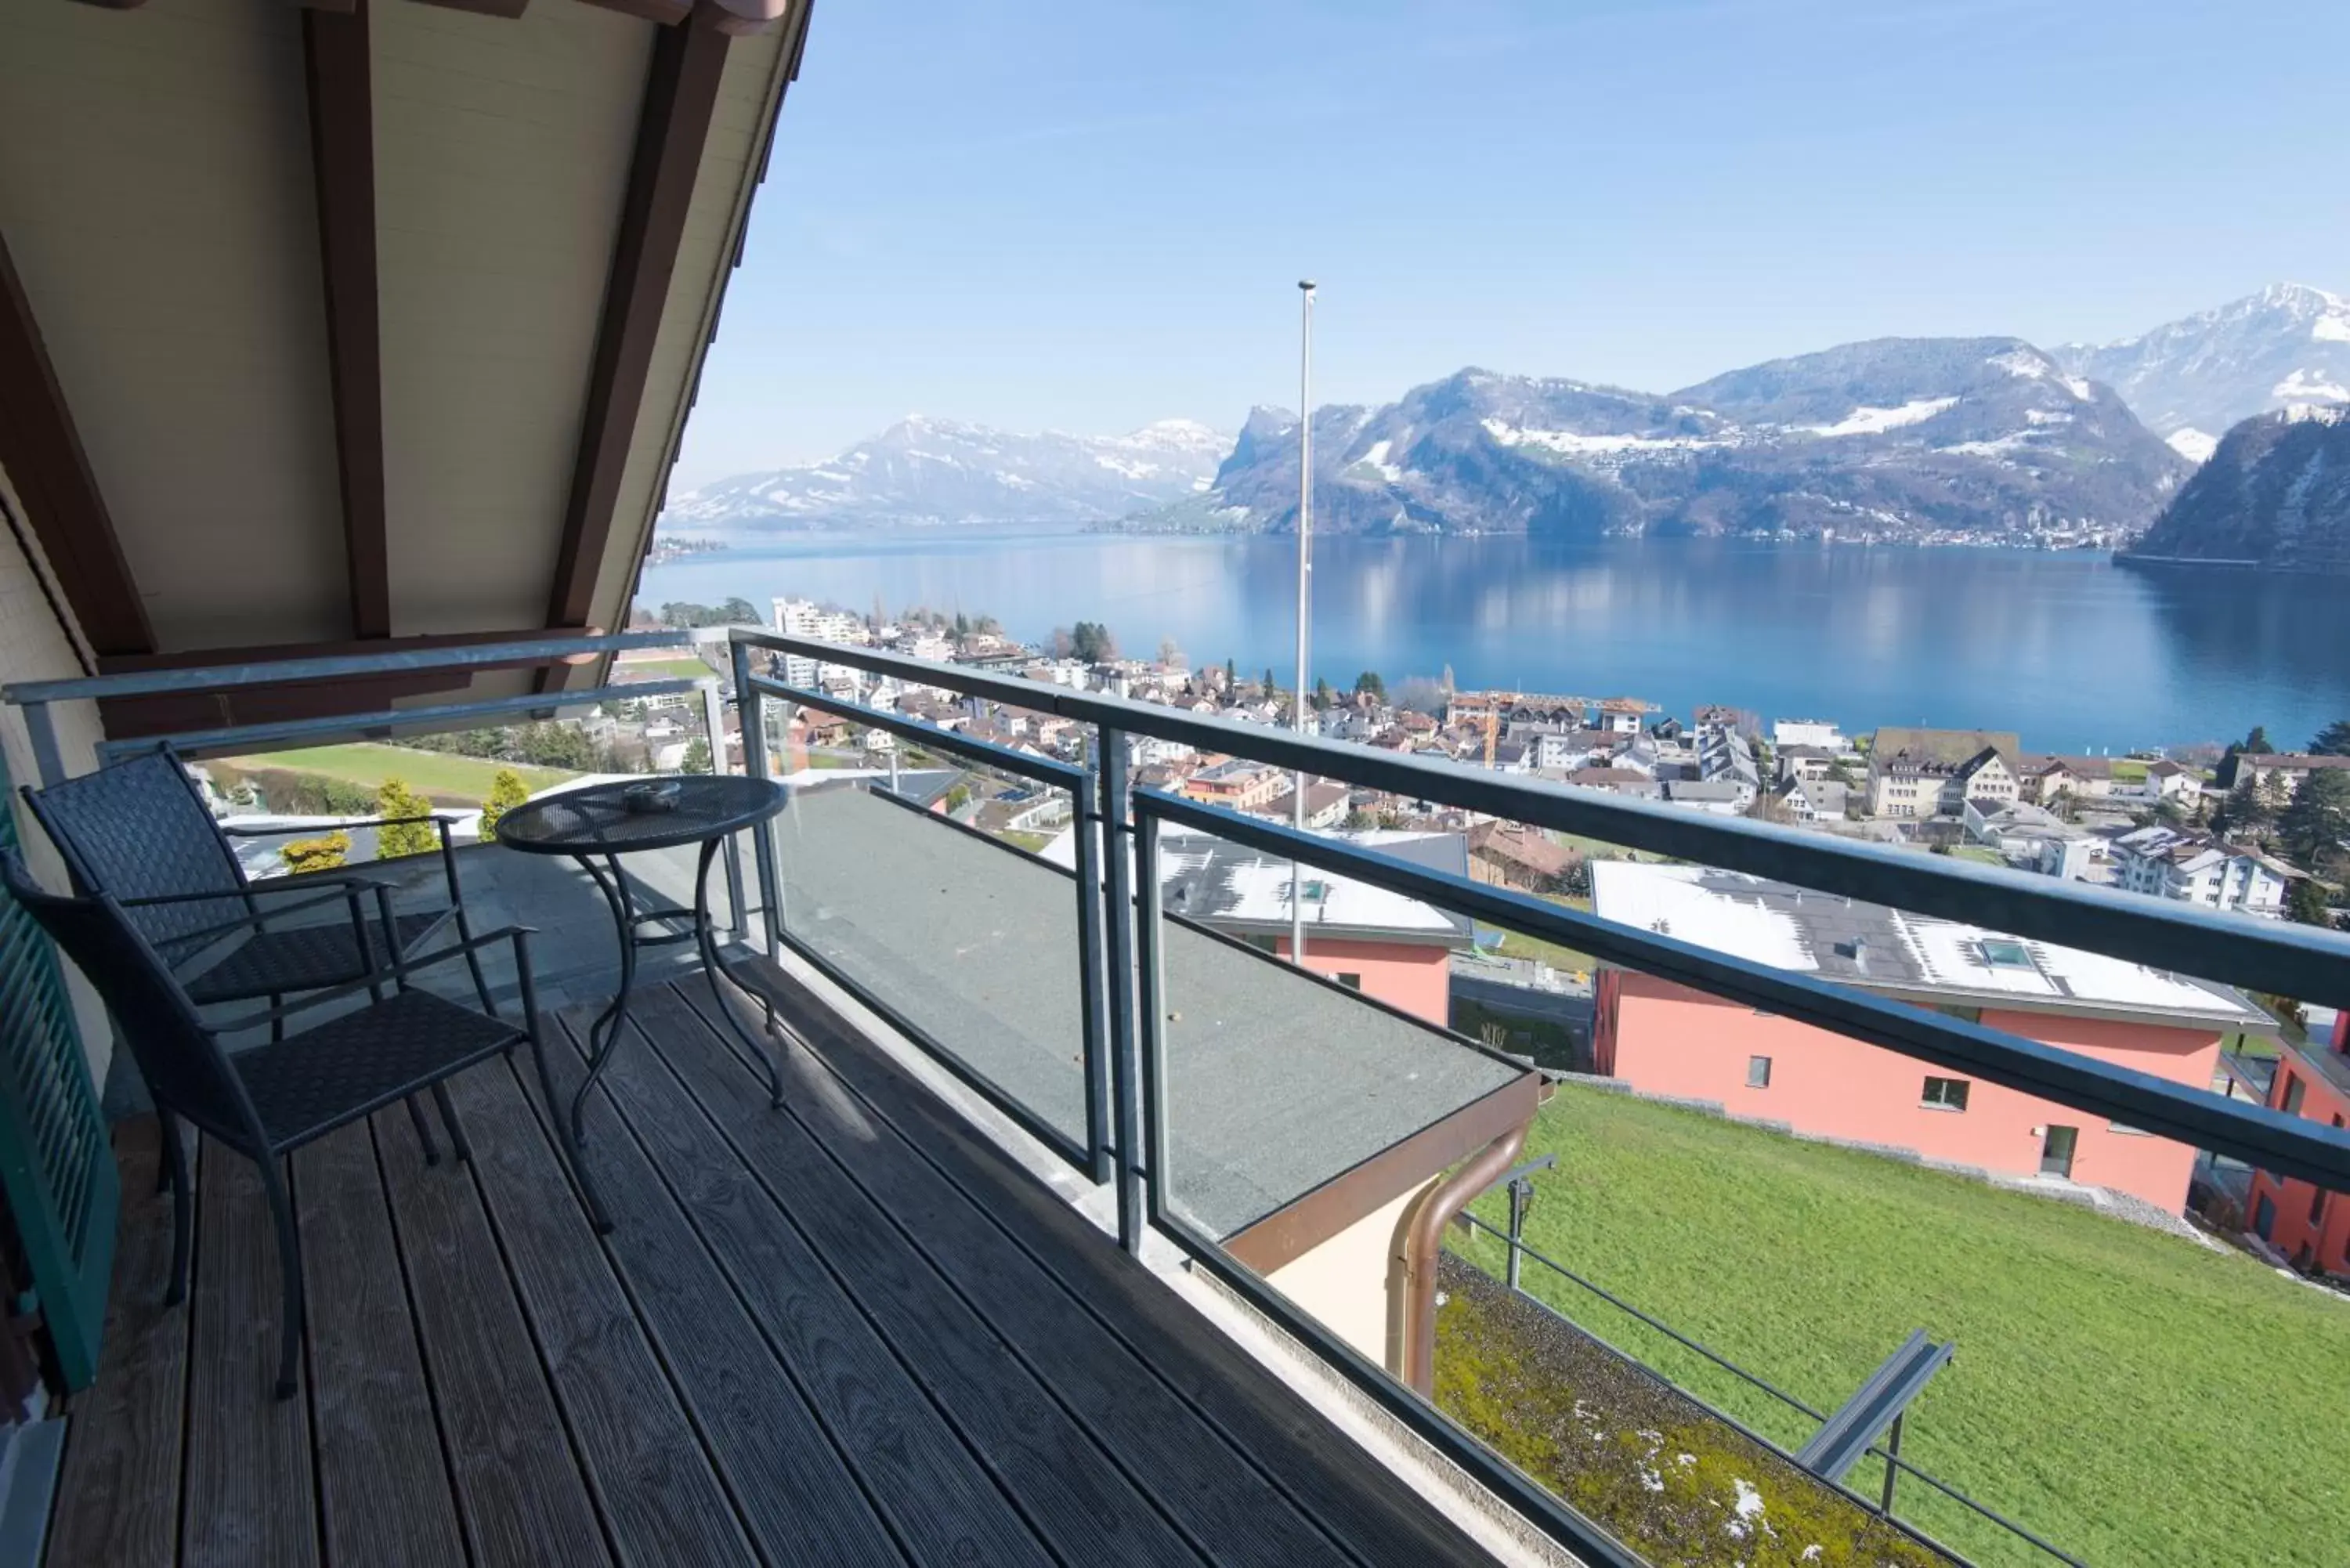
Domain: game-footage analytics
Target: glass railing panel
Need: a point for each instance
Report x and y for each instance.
(921, 905)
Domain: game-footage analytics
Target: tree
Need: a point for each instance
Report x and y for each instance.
(1063, 643)
(1270, 690)
(1321, 693)
(394, 801)
(2306, 903)
(1093, 641)
(2246, 810)
(962, 626)
(1171, 652)
(739, 612)
(553, 745)
(2334, 741)
(323, 854)
(1369, 684)
(2257, 743)
(957, 798)
(697, 756)
(1231, 676)
(2316, 824)
(506, 792)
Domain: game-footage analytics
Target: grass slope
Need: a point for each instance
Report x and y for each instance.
(443, 777)
(2132, 1397)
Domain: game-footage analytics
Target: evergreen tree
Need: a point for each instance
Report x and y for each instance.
(2334, 741)
(1231, 676)
(2246, 810)
(395, 801)
(2315, 826)
(1369, 681)
(2306, 903)
(506, 792)
(697, 756)
(1321, 693)
(1270, 690)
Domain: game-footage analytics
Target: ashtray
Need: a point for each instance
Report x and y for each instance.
(661, 794)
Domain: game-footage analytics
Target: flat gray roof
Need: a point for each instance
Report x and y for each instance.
(1276, 1082)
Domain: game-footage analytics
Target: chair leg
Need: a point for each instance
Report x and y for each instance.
(423, 1132)
(449, 1119)
(175, 1175)
(276, 1025)
(289, 1269)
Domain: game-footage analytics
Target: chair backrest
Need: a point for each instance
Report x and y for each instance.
(139, 829)
(183, 1064)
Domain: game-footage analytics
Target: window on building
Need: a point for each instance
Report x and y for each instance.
(1951, 1094)
(2294, 1089)
(1758, 1071)
(2005, 952)
(1959, 1011)
(1265, 944)
(1351, 981)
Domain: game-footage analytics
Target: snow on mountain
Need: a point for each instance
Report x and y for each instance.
(934, 471)
(1894, 438)
(2276, 492)
(2192, 379)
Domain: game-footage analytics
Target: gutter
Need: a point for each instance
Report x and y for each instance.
(1424, 1237)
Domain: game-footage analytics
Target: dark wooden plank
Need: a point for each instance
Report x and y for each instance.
(342, 98)
(42, 451)
(1219, 1501)
(935, 1493)
(1082, 1505)
(384, 1490)
(118, 1485)
(659, 1497)
(249, 1496)
(1349, 1494)
(680, 100)
(520, 1492)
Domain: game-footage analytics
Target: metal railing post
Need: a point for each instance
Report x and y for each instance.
(713, 725)
(1093, 1003)
(1892, 1466)
(748, 706)
(1127, 1110)
(1520, 1188)
(41, 730)
(1150, 1008)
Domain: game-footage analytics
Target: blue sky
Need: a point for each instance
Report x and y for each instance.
(1089, 216)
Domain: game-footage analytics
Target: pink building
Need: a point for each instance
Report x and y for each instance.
(1383, 944)
(1666, 1039)
(2309, 1225)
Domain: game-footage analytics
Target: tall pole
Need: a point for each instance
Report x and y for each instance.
(1304, 600)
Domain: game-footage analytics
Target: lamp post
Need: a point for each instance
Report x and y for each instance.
(1304, 600)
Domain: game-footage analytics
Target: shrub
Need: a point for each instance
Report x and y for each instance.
(321, 854)
(393, 798)
(506, 792)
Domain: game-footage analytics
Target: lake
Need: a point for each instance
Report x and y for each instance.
(2069, 650)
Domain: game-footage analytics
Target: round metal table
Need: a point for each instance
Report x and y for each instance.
(605, 821)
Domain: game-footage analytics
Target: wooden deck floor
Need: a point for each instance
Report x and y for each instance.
(848, 1332)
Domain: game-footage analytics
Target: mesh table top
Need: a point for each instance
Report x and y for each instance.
(615, 818)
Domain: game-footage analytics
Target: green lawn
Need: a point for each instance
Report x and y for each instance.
(684, 666)
(2128, 770)
(443, 777)
(2133, 1396)
(1517, 944)
(1977, 853)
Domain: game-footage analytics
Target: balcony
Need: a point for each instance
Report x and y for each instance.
(1087, 1217)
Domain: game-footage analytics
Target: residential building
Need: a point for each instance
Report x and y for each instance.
(1721, 797)
(1821, 733)
(1617, 781)
(1620, 715)
(2034, 838)
(1814, 800)
(1381, 943)
(2280, 769)
(1934, 772)
(2197, 868)
(2043, 778)
(1801, 761)
(1514, 856)
(1235, 782)
(806, 617)
(2307, 1224)
(1666, 1039)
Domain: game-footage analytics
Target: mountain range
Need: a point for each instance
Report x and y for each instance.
(931, 471)
(2191, 380)
(2276, 492)
(1985, 437)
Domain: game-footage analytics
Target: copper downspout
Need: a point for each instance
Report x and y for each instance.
(1425, 1237)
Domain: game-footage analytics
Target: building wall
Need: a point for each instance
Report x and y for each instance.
(2309, 1235)
(1665, 1039)
(34, 645)
(1414, 976)
(1348, 1283)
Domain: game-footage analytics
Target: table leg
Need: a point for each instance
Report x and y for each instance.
(605, 1032)
(708, 943)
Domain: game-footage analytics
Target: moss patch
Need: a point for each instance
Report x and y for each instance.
(1670, 1481)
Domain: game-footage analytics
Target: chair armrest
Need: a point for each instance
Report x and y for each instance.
(348, 889)
(399, 969)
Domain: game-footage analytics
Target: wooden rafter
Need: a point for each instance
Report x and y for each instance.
(342, 162)
(680, 96)
(42, 451)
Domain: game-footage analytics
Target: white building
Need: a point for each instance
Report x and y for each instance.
(2196, 868)
(1821, 732)
(806, 617)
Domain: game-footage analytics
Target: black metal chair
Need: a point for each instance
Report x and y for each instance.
(267, 1102)
(140, 827)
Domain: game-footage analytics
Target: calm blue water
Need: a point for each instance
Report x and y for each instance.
(2068, 649)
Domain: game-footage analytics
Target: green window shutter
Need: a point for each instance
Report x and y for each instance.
(56, 1164)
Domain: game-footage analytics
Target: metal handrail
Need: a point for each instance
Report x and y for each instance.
(2294, 960)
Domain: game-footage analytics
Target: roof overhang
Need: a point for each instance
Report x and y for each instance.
(365, 324)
